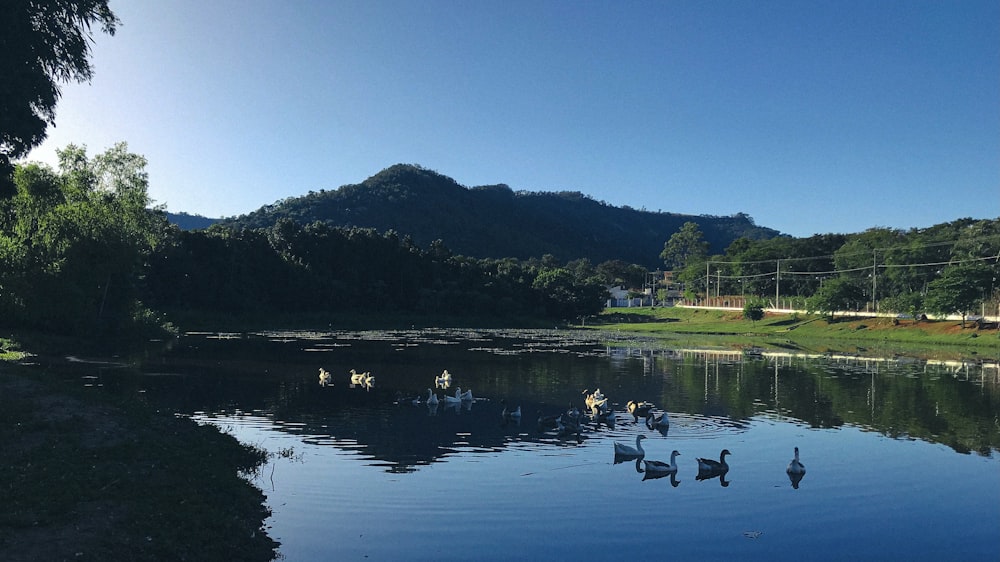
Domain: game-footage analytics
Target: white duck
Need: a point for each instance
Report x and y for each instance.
(466, 396)
(639, 409)
(595, 402)
(622, 450)
(453, 400)
(660, 467)
(710, 465)
(443, 380)
(432, 399)
(796, 467)
(509, 414)
(661, 421)
(356, 377)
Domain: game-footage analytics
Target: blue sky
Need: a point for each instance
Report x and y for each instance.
(810, 116)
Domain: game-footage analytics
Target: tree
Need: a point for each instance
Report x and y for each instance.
(959, 289)
(74, 251)
(835, 295)
(684, 246)
(753, 311)
(42, 43)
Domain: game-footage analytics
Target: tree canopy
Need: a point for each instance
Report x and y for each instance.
(685, 246)
(42, 43)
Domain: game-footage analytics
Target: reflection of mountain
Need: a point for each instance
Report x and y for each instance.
(275, 375)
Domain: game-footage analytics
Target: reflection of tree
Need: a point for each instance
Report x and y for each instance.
(259, 375)
(895, 399)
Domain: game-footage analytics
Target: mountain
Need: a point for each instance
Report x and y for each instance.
(495, 221)
(190, 222)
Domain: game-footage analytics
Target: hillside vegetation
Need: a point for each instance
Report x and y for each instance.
(497, 222)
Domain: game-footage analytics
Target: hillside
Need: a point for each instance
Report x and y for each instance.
(186, 221)
(495, 221)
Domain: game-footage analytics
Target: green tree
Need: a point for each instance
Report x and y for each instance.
(836, 295)
(684, 246)
(564, 298)
(42, 43)
(75, 246)
(959, 289)
(753, 311)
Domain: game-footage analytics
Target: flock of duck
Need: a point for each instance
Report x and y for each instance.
(571, 422)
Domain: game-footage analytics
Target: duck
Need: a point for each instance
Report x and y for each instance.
(550, 421)
(654, 421)
(509, 414)
(432, 399)
(444, 379)
(639, 409)
(356, 377)
(660, 467)
(595, 402)
(574, 414)
(717, 466)
(622, 450)
(325, 377)
(796, 467)
(606, 417)
(453, 400)
(466, 396)
(566, 427)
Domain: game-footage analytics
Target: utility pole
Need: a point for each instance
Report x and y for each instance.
(707, 263)
(777, 282)
(874, 278)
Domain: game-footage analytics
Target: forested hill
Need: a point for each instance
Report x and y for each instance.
(495, 221)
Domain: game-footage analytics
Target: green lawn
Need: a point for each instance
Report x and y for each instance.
(812, 332)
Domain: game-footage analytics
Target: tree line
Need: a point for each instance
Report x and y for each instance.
(949, 268)
(84, 253)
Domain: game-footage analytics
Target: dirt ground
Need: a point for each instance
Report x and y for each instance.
(77, 534)
(85, 478)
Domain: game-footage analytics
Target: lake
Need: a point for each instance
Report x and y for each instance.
(901, 454)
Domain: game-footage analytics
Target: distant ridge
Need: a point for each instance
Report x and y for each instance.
(495, 221)
(188, 221)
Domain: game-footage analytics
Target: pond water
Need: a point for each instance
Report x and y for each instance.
(901, 455)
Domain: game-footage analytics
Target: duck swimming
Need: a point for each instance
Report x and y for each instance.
(357, 378)
(432, 399)
(660, 467)
(509, 414)
(443, 380)
(716, 466)
(796, 467)
(637, 452)
(654, 421)
(639, 409)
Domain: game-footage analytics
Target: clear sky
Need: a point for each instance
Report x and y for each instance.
(810, 116)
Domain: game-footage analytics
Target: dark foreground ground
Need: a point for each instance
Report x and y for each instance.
(86, 477)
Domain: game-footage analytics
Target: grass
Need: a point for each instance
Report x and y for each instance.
(934, 337)
(88, 478)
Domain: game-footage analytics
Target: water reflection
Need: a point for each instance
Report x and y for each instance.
(795, 478)
(838, 409)
(712, 394)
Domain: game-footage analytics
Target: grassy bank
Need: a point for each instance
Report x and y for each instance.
(813, 333)
(86, 477)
